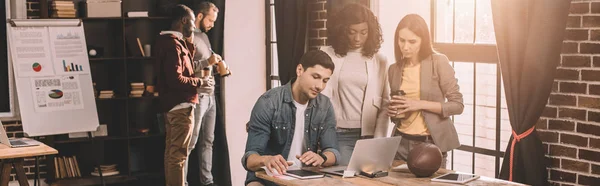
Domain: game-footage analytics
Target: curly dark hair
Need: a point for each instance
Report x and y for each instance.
(338, 25)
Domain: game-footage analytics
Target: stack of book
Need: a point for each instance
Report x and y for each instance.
(66, 167)
(107, 170)
(106, 94)
(63, 9)
(137, 89)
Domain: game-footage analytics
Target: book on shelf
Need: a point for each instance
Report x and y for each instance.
(140, 46)
(63, 15)
(137, 14)
(66, 167)
(62, 6)
(106, 94)
(137, 89)
(77, 166)
(63, 9)
(107, 170)
(56, 168)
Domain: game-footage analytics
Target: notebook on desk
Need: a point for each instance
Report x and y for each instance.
(13, 143)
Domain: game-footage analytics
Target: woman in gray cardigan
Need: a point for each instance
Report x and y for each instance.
(358, 87)
(422, 114)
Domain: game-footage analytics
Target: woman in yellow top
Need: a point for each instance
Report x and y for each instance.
(431, 91)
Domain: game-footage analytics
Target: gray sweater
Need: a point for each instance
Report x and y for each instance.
(203, 52)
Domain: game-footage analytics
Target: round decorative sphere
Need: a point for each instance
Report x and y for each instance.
(424, 159)
(93, 52)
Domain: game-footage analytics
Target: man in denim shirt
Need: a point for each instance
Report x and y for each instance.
(294, 122)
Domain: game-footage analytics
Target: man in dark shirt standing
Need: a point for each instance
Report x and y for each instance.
(174, 51)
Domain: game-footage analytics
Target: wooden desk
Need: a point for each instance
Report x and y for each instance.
(393, 179)
(15, 157)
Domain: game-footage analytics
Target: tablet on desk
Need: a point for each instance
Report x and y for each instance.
(303, 174)
(455, 178)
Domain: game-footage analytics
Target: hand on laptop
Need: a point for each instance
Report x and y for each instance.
(276, 162)
(311, 159)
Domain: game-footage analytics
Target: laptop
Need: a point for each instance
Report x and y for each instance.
(24, 142)
(369, 155)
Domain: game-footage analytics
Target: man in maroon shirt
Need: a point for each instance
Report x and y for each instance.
(174, 51)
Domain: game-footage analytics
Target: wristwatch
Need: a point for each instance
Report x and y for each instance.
(324, 157)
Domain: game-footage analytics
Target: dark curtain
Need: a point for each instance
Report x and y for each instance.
(220, 169)
(291, 25)
(4, 96)
(529, 35)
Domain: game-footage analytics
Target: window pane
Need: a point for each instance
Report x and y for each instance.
(273, 28)
(485, 119)
(485, 165)
(464, 121)
(463, 161)
(505, 128)
(464, 21)
(443, 21)
(485, 25)
(274, 59)
(274, 65)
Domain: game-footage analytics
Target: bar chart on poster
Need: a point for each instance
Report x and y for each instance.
(52, 76)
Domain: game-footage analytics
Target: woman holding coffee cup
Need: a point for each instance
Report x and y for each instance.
(431, 91)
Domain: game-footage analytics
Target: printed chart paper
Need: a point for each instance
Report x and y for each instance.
(30, 51)
(57, 93)
(70, 51)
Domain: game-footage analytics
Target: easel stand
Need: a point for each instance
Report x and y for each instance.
(97, 162)
(7, 165)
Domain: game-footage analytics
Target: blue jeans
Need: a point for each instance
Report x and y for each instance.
(203, 133)
(347, 140)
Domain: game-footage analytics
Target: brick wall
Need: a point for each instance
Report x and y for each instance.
(570, 125)
(317, 19)
(14, 129)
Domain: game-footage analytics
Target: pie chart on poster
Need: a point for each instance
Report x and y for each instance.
(55, 94)
(36, 67)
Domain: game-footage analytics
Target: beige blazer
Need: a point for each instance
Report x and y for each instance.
(374, 119)
(438, 84)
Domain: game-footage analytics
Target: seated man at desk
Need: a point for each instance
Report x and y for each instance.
(293, 122)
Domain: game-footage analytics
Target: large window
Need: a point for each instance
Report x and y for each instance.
(463, 30)
(272, 60)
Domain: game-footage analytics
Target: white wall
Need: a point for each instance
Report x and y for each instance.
(244, 48)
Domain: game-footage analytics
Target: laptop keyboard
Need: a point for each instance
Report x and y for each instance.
(17, 142)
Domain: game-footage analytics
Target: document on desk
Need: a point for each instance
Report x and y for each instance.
(274, 173)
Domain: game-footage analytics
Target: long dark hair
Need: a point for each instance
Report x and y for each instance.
(417, 25)
(337, 29)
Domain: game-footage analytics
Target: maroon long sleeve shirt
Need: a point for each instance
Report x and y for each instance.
(173, 66)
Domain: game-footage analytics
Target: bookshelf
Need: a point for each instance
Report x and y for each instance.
(139, 156)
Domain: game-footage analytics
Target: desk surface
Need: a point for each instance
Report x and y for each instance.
(394, 178)
(22, 152)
